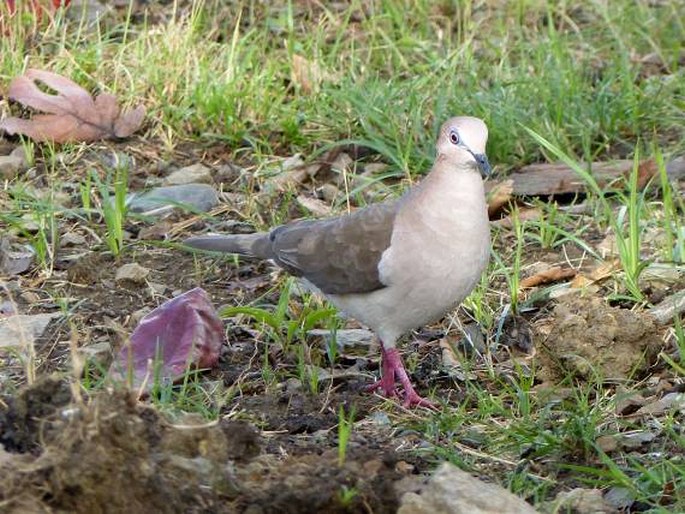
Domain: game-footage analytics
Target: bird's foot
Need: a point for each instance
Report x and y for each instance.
(387, 382)
(392, 368)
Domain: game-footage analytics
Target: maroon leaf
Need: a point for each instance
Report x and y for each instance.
(73, 114)
(182, 333)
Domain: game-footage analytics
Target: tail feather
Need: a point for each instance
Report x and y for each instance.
(253, 245)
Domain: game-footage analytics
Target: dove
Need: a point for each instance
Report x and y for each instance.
(396, 265)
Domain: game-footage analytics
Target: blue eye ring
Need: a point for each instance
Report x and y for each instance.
(454, 137)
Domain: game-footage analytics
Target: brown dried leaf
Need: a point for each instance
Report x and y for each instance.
(553, 274)
(499, 196)
(72, 113)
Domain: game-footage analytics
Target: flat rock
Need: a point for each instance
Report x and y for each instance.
(453, 491)
(583, 501)
(23, 329)
(15, 259)
(10, 166)
(193, 174)
(98, 353)
(162, 200)
(132, 272)
(345, 338)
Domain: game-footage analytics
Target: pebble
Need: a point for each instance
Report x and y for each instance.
(163, 200)
(132, 272)
(194, 174)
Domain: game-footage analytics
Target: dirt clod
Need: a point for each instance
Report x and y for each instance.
(589, 338)
(115, 454)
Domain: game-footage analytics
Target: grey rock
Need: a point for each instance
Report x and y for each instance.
(328, 192)
(132, 272)
(98, 353)
(162, 200)
(15, 259)
(196, 173)
(22, 329)
(583, 501)
(453, 491)
(72, 239)
(25, 154)
(345, 338)
(621, 498)
(230, 173)
(10, 166)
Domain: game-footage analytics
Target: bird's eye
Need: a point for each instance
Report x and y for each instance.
(454, 137)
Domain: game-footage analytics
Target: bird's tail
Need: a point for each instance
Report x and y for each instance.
(253, 245)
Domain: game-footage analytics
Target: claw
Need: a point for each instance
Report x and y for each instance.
(393, 368)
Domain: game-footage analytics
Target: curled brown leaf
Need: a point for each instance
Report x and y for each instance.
(552, 274)
(72, 114)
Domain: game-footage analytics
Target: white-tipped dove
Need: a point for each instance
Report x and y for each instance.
(395, 265)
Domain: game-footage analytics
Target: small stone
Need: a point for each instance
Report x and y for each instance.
(195, 174)
(583, 501)
(163, 200)
(98, 353)
(328, 193)
(72, 239)
(229, 173)
(10, 166)
(621, 498)
(607, 443)
(293, 385)
(24, 153)
(453, 491)
(15, 259)
(30, 297)
(380, 418)
(157, 288)
(132, 272)
(21, 329)
(345, 338)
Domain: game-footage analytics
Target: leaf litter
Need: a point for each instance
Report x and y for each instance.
(72, 114)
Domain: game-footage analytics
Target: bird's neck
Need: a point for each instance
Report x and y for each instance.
(458, 181)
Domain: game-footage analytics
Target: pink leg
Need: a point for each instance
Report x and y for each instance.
(393, 368)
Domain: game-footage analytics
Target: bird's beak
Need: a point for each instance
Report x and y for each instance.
(483, 164)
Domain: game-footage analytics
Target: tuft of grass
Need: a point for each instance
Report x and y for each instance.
(284, 325)
(113, 207)
(345, 425)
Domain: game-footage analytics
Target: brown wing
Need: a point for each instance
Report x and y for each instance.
(337, 255)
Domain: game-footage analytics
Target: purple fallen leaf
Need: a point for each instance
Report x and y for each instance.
(181, 334)
(72, 113)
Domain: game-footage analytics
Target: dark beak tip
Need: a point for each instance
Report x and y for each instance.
(483, 165)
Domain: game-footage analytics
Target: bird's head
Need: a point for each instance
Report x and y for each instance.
(463, 139)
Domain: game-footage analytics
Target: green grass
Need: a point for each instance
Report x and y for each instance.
(562, 70)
